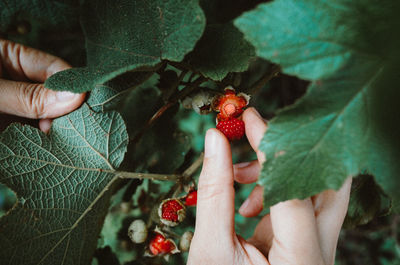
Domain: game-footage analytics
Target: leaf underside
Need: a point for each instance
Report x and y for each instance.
(61, 181)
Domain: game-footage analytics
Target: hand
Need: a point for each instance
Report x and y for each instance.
(295, 232)
(20, 96)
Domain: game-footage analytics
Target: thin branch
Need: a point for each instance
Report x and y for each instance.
(260, 83)
(193, 167)
(134, 175)
(182, 94)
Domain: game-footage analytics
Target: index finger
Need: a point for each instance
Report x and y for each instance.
(24, 63)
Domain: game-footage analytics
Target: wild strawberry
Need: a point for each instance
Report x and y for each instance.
(171, 212)
(160, 245)
(230, 105)
(191, 198)
(137, 231)
(232, 128)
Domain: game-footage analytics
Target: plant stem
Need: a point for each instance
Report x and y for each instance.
(151, 176)
(260, 83)
(182, 94)
(193, 167)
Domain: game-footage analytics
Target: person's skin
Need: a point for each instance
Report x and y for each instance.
(295, 232)
(23, 94)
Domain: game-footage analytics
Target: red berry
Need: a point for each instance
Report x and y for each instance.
(230, 105)
(191, 198)
(159, 245)
(172, 212)
(232, 128)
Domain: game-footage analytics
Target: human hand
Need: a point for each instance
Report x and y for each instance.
(20, 96)
(295, 231)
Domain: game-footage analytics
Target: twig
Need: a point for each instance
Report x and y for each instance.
(193, 167)
(260, 83)
(182, 94)
(134, 175)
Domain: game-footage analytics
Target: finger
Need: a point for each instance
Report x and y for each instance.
(215, 195)
(34, 101)
(253, 205)
(255, 129)
(263, 235)
(45, 125)
(246, 172)
(251, 251)
(24, 63)
(330, 209)
(295, 233)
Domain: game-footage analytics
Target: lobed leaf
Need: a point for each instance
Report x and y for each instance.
(61, 181)
(346, 123)
(141, 35)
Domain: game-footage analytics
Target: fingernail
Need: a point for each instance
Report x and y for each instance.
(211, 143)
(241, 165)
(65, 96)
(244, 205)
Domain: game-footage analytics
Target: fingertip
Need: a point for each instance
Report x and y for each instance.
(254, 204)
(57, 66)
(45, 125)
(255, 127)
(246, 172)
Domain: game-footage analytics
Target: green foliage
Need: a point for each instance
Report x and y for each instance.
(143, 33)
(142, 59)
(61, 181)
(339, 128)
(220, 51)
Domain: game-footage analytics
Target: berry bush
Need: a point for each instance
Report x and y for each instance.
(114, 182)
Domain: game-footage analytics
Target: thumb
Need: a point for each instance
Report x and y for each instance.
(215, 195)
(35, 101)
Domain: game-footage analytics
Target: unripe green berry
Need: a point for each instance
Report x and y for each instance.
(137, 231)
(186, 239)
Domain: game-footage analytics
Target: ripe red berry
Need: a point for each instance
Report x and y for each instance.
(172, 212)
(230, 105)
(159, 245)
(191, 198)
(232, 128)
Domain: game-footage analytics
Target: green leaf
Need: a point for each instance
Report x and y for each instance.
(338, 129)
(314, 39)
(346, 123)
(143, 34)
(61, 181)
(221, 50)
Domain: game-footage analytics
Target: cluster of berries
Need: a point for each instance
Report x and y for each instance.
(171, 211)
(229, 106)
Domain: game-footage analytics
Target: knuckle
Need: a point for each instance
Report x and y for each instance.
(32, 98)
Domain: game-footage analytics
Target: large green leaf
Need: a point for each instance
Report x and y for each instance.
(221, 50)
(347, 123)
(313, 39)
(142, 34)
(61, 181)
